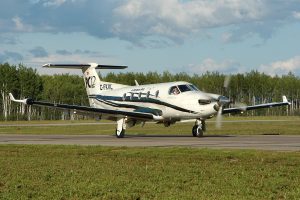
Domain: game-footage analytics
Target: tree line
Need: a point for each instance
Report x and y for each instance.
(249, 88)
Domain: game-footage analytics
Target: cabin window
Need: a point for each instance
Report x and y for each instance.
(174, 90)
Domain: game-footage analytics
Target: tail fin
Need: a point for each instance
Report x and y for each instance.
(93, 84)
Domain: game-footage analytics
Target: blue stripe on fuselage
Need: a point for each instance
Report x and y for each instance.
(139, 100)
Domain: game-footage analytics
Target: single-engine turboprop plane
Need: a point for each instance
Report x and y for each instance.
(165, 103)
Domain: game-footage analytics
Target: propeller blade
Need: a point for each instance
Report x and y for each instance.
(219, 118)
(227, 81)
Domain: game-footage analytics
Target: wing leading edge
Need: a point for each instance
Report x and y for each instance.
(90, 110)
(246, 108)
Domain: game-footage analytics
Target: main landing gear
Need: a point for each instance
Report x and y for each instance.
(199, 128)
(121, 127)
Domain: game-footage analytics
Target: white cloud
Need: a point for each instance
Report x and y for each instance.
(296, 15)
(54, 3)
(49, 3)
(282, 67)
(20, 26)
(209, 64)
(138, 21)
(18, 23)
(177, 19)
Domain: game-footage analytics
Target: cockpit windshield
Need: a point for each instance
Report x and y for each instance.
(174, 90)
(193, 87)
(184, 88)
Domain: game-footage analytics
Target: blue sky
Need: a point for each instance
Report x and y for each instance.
(195, 36)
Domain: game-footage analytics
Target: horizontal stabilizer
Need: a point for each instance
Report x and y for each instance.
(80, 66)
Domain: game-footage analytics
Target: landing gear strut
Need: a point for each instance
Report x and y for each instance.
(199, 128)
(121, 127)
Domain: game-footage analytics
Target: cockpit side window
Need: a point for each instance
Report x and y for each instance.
(174, 90)
(184, 88)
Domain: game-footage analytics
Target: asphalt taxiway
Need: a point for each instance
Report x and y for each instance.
(260, 142)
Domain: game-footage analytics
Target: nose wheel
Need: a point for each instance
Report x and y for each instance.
(120, 133)
(198, 128)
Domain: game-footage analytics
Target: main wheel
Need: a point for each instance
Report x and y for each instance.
(120, 134)
(197, 131)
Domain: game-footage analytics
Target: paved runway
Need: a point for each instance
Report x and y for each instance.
(262, 142)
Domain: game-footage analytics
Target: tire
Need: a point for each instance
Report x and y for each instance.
(120, 135)
(197, 131)
(194, 131)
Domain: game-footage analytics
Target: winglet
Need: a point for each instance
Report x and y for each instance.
(47, 65)
(285, 100)
(136, 83)
(12, 98)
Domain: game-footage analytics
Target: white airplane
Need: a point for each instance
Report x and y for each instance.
(165, 103)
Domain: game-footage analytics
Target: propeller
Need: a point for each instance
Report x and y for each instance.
(222, 100)
(219, 119)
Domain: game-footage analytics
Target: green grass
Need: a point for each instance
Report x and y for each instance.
(289, 127)
(73, 172)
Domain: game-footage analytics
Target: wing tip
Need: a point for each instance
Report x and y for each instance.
(11, 96)
(285, 100)
(46, 65)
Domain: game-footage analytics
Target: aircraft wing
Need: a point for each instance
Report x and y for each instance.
(89, 110)
(259, 106)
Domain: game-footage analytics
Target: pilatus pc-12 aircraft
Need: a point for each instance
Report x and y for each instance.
(165, 103)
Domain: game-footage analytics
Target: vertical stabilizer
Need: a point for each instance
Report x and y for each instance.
(91, 79)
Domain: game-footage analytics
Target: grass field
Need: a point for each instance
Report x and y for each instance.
(95, 172)
(231, 126)
(73, 172)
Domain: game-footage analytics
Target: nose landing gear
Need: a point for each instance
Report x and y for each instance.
(199, 128)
